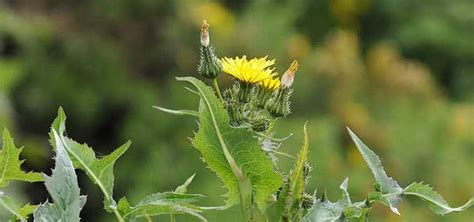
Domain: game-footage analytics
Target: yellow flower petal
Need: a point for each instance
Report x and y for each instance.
(251, 71)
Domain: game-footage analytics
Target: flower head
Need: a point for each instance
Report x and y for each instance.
(249, 71)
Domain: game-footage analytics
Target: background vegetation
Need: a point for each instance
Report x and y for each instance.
(400, 73)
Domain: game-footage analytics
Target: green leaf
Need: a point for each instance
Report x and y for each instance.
(184, 187)
(20, 213)
(63, 189)
(83, 157)
(155, 210)
(232, 153)
(124, 206)
(169, 198)
(291, 197)
(434, 200)
(324, 210)
(385, 199)
(10, 163)
(162, 203)
(385, 183)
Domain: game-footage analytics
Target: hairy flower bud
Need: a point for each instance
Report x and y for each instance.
(279, 105)
(209, 64)
(205, 34)
(289, 76)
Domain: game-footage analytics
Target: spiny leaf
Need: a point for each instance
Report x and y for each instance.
(63, 189)
(324, 210)
(162, 203)
(100, 171)
(20, 213)
(10, 163)
(218, 143)
(291, 196)
(385, 183)
(434, 200)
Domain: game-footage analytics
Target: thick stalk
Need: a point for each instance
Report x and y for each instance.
(245, 190)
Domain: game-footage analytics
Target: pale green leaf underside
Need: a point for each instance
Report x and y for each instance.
(215, 134)
(63, 188)
(386, 184)
(434, 200)
(162, 203)
(326, 211)
(100, 171)
(10, 163)
(20, 213)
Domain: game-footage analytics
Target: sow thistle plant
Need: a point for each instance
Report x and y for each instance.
(235, 140)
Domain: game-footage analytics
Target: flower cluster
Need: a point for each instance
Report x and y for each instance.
(257, 96)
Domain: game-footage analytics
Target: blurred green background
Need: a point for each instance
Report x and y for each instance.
(399, 73)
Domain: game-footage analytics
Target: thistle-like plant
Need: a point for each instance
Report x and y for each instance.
(235, 140)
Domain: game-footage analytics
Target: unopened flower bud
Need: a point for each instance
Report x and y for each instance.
(205, 34)
(209, 64)
(279, 105)
(289, 76)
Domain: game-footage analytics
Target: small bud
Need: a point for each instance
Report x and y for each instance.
(205, 34)
(289, 76)
(258, 120)
(209, 64)
(279, 105)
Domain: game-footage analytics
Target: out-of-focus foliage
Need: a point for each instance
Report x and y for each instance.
(400, 73)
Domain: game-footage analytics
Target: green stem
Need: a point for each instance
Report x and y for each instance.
(245, 190)
(218, 91)
(119, 217)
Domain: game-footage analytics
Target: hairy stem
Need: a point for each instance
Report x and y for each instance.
(218, 91)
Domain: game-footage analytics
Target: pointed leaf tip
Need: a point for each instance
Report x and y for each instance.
(387, 184)
(434, 200)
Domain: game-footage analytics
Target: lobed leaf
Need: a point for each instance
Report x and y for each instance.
(221, 146)
(63, 189)
(434, 200)
(10, 163)
(324, 210)
(20, 213)
(83, 157)
(383, 182)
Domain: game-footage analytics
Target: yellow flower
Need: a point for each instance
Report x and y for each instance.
(251, 71)
(270, 84)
